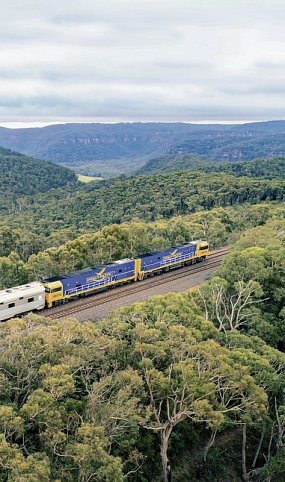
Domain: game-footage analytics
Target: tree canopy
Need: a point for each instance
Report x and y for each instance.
(25, 259)
(106, 401)
(22, 175)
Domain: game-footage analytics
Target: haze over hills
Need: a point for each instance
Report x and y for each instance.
(113, 149)
(105, 149)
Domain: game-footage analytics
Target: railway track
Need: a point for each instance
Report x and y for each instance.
(73, 307)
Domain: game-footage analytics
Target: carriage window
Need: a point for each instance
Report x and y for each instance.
(203, 248)
(11, 305)
(47, 290)
(55, 290)
(21, 298)
(30, 300)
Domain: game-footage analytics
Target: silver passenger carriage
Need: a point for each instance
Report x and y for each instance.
(21, 299)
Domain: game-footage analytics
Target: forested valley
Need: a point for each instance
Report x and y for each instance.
(52, 218)
(199, 374)
(194, 379)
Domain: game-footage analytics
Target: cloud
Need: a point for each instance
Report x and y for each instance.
(142, 60)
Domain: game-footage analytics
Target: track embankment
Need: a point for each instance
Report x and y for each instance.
(101, 304)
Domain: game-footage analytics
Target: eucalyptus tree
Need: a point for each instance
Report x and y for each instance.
(180, 369)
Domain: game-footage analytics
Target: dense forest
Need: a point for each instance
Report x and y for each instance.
(196, 379)
(146, 198)
(23, 256)
(22, 175)
(57, 231)
(268, 168)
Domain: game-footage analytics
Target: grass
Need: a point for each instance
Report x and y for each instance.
(86, 179)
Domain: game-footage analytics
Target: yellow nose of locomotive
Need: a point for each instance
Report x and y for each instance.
(53, 292)
(202, 249)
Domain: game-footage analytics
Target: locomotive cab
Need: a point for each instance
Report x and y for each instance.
(53, 292)
(202, 250)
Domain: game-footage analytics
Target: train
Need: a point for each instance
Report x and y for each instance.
(48, 292)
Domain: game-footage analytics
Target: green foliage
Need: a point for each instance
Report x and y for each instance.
(84, 402)
(22, 176)
(170, 163)
(18, 468)
(12, 268)
(108, 401)
(55, 218)
(276, 467)
(258, 259)
(45, 368)
(90, 454)
(145, 198)
(268, 168)
(218, 226)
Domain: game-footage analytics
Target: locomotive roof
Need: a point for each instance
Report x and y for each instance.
(18, 291)
(152, 253)
(120, 261)
(85, 270)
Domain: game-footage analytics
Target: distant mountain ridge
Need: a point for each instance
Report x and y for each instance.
(124, 147)
(75, 143)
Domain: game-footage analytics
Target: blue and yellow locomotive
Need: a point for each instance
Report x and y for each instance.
(97, 278)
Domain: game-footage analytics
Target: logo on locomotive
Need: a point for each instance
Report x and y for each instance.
(172, 255)
(102, 275)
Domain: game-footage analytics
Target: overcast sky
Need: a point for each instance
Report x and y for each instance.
(126, 60)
